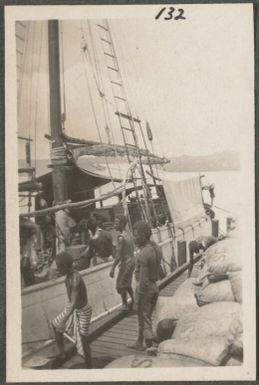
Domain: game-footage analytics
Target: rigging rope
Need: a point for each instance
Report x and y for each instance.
(31, 80)
(103, 97)
(37, 94)
(96, 122)
(130, 84)
(75, 205)
(48, 104)
(100, 89)
(131, 121)
(24, 60)
(85, 53)
(226, 211)
(63, 72)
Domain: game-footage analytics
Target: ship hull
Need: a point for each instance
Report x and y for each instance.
(42, 302)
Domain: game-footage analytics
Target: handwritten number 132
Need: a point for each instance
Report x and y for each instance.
(170, 15)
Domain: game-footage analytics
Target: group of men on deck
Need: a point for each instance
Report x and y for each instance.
(75, 318)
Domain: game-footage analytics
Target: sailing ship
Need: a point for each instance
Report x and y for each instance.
(88, 178)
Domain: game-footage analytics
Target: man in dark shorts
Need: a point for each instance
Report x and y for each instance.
(74, 320)
(125, 258)
(146, 273)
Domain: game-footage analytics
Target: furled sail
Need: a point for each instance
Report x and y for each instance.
(80, 147)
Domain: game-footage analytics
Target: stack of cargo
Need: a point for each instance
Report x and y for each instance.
(206, 311)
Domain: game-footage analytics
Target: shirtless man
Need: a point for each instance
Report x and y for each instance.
(200, 243)
(124, 257)
(75, 318)
(146, 273)
(99, 244)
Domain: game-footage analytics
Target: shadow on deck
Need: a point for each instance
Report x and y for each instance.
(112, 344)
(108, 338)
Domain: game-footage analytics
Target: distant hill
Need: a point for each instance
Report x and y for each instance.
(227, 160)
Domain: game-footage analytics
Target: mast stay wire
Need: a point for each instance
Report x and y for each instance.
(134, 108)
(101, 83)
(48, 104)
(103, 99)
(113, 94)
(30, 104)
(131, 122)
(37, 95)
(98, 86)
(24, 60)
(127, 83)
(63, 72)
(31, 81)
(23, 102)
(133, 66)
(95, 116)
(85, 52)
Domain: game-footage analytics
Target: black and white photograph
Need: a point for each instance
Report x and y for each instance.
(130, 172)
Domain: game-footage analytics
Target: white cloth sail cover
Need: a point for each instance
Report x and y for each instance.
(185, 201)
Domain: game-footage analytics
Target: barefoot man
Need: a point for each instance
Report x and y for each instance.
(75, 318)
(124, 257)
(146, 273)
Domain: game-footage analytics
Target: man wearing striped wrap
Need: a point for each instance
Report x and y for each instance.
(74, 320)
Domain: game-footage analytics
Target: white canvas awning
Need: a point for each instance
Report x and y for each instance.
(184, 198)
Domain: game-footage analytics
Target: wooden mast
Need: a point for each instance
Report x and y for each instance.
(58, 155)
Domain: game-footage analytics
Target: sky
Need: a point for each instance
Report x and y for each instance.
(191, 79)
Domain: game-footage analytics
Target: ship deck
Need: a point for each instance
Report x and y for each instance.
(112, 344)
(109, 337)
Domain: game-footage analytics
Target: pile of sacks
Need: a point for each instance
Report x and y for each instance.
(203, 319)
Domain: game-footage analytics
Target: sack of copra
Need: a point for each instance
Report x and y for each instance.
(233, 362)
(225, 244)
(235, 337)
(182, 302)
(235, 279)
(224, 257)
(214, 292)
(213, 319)
(186, 289)
(212, 350)
(136, 361)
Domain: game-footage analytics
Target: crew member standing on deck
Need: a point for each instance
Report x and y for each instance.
(146, 273)
(200, 243)
(75, 318)
(124, 257)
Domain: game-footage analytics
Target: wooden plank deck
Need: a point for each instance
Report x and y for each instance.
(112, 344)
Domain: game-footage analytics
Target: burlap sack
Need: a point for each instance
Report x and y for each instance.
(212, 350)
(213, 319)
(182, 302)
(214, 292)
(135, 361)
(236, 285)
